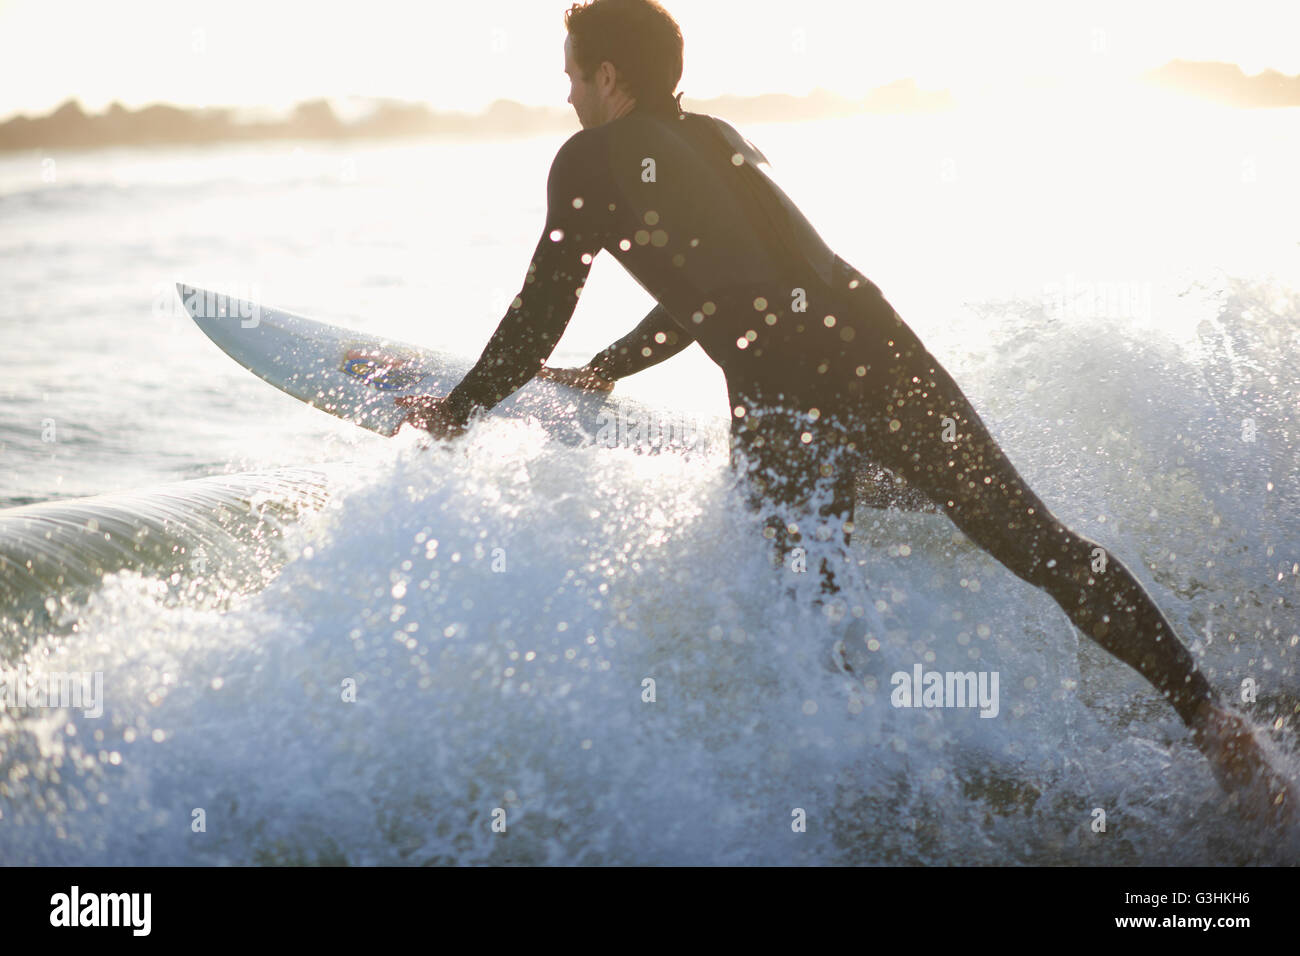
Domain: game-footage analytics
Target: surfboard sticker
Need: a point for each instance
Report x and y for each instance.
(382, 370)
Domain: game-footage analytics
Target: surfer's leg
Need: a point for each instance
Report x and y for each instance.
(972, 481)
(879, 488)
(935, 439)
(799, 475)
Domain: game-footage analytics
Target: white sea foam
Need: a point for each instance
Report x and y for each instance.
(498, 606)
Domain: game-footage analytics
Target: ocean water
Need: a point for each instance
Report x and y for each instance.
(337, 648)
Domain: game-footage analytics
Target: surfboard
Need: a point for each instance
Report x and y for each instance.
(359, 377)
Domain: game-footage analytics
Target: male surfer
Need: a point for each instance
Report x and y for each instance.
(823, 376)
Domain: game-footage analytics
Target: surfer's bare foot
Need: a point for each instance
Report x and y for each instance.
(1229, 744)
(430, 413)
(583, 377)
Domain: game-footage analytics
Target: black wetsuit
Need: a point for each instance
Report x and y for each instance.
(824, 378)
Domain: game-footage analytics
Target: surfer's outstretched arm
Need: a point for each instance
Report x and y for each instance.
(657, 338)
(538, 316)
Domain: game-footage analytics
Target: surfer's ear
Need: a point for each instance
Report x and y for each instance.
(609, 81)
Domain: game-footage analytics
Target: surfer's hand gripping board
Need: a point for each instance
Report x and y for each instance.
(585, 377)
(430, 413)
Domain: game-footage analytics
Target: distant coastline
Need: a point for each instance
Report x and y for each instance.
(1227, 83)
(70, 127)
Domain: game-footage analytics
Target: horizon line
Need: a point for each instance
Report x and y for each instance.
(1264, 76)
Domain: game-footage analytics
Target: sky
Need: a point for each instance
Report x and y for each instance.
(464, 55)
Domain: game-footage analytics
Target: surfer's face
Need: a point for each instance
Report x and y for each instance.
(581, 91)
(595, 99)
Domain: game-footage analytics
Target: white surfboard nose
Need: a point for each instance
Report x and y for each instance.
(192, 296)
(195, 301)
(206, 304)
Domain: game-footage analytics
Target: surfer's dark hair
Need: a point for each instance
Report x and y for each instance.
(639, 37)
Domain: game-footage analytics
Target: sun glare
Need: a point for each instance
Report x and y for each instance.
(464, 56)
